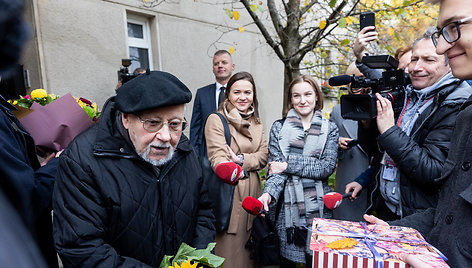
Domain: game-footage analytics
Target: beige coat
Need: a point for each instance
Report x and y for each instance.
(247, 138)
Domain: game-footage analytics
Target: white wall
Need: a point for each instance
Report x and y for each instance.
(81, 43)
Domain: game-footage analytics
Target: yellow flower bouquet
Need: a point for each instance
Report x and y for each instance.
(54, 121)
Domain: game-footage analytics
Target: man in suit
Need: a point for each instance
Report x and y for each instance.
(208, 97)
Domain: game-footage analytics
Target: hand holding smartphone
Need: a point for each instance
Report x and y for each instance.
(367, 19)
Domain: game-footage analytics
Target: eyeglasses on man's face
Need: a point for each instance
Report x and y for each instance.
(451, 32)
(154, 125)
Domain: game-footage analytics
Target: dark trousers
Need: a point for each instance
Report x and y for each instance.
(285, 263)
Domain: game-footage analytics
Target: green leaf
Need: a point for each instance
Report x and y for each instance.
(229, 13)
(345, 42)
(332, 3)
(324, 55)
(342, 23)
(260, 9)
(89, 110)
(165, 263)
(253, 8)
(406, 3)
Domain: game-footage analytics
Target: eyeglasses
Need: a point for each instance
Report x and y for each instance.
(451, 32)
(154, 125)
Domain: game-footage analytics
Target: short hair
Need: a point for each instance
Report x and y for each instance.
(248, 77)
(428, 35)
(221, 52)
(316, 87)
(139, 70)
(402, 51)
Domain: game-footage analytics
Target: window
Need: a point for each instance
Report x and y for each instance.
(139, 43)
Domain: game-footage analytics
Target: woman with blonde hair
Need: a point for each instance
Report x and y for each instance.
(302, 155)
(249, 150)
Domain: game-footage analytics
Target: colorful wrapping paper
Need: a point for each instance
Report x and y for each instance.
(55, 125)
(378, 245)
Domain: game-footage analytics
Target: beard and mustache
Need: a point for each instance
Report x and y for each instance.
(161, 145)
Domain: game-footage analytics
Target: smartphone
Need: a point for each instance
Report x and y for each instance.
(352, 143)
(367, 19)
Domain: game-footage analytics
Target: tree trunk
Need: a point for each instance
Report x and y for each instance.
(289, 75)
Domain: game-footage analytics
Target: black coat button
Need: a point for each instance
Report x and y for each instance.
(466, 165)
(449, 219)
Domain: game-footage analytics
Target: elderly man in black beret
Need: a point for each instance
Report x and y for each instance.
(129, 190)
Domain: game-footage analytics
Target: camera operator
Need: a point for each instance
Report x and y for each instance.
(414, 149)
(363, 38)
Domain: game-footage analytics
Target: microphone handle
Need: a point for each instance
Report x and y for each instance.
(347, 195)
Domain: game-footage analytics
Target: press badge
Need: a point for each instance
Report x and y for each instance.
(389, 169)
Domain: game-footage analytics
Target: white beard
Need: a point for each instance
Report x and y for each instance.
(161, 162)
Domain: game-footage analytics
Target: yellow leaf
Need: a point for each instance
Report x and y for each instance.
(241, 29)
(322, 24)
(145, 1)
(306, 2)
(231, 50)
(349, 20)
(390, 31)
(236, 15)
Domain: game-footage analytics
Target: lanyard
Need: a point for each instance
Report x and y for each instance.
(399, 123)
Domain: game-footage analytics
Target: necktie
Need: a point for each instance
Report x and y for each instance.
(221, 96)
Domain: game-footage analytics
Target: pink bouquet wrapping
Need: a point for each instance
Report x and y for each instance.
(377, 245)
(55, 125)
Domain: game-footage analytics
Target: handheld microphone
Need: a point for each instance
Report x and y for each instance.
(340, 80)
(333, 200)
(228, 172)
(252, 205)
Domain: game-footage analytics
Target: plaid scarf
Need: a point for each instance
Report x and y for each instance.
(303, 196)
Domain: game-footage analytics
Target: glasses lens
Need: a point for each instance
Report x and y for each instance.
(451, 32)
(152, 125)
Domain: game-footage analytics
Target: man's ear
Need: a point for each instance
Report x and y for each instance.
(125, 120)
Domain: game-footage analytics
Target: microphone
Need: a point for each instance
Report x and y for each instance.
(333, 200)
(252, 205)
(340, 80)
(228, 172)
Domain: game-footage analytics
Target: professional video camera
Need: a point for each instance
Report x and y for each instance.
(123, 74)
(391, 86)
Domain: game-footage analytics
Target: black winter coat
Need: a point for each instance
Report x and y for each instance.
(26, 184)
(449, 226)
(420, 156)
(112, 209)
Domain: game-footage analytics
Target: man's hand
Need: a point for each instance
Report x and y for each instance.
(372, 219)
(342, 142)
(353, 187)
(385, 115)
(277, 167)
(363, 38)
(265, 198)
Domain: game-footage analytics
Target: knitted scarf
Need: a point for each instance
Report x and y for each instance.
(302, 196)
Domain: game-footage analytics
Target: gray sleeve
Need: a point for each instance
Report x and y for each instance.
(275, 182)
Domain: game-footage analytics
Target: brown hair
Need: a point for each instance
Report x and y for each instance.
(314, 85)
(402, 51)
(248, 77)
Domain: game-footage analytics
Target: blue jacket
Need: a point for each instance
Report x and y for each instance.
(27, 185)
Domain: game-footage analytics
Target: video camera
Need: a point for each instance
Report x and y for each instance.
(390, 86)
(123, 74)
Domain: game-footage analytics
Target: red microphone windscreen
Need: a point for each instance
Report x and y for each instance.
(252, 205)
(228, 172)
(332, 200)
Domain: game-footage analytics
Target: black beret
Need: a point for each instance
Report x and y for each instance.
(151, 90)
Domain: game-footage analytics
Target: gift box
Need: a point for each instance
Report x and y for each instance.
(376, 246)
(56, 124)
